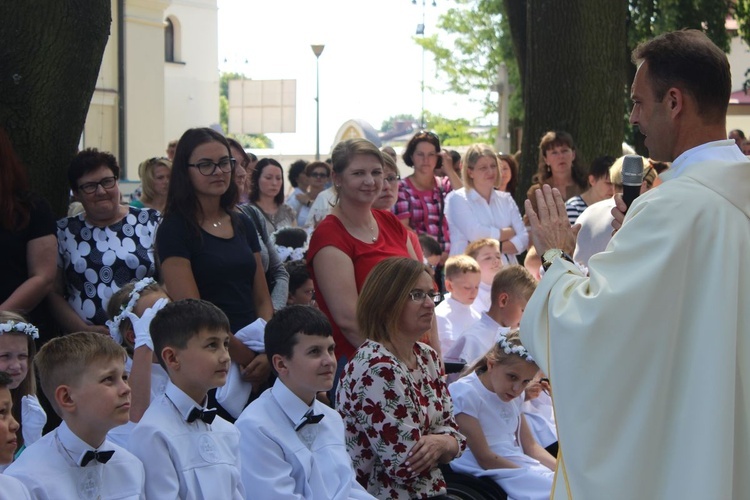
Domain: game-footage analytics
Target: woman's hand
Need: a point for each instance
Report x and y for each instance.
(258, 370)
(429, 450)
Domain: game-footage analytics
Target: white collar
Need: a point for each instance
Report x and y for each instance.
(73, 445)
(725, 150)
(181, 401)
(291, 404)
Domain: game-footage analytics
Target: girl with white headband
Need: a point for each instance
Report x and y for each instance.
(487, 405)
(17, 350)
(131, 310)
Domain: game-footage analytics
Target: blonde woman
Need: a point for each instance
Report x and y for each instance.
(155, 174)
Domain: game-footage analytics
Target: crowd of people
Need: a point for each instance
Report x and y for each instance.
(351, 337)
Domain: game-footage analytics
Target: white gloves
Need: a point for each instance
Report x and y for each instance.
(33, 419)
(141, 326)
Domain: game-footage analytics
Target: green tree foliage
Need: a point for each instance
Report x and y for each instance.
(454, 132)
(389, 123)
(255, 141)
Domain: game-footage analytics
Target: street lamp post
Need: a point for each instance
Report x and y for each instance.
(420, 31)
(317, 50)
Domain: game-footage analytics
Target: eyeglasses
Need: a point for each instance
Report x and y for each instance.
(419, 296)
(427, 133)
(320, 175)
(392, 179)
(207, 167)
(90, 187)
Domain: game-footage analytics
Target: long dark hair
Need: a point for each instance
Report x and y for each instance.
(181, 198)
(14, 187)
(255, 180)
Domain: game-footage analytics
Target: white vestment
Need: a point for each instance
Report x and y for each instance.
(649, 357)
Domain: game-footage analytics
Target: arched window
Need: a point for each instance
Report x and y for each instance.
(169, 54)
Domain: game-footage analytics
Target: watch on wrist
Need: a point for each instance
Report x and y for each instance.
(554, 253)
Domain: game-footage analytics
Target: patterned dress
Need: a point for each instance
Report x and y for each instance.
(97, 261)
(386, 409)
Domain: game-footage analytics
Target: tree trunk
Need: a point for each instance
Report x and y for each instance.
(574, 78)
(50, 54)
(515, 10)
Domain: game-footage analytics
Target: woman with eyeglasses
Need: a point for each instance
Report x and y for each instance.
(154, 174)
(207, 249)
(103, 248)
(421, 195)
(318, 173)
(352, 239)
(478, 210)
(277, 277)
(397, 412)
(267, 194)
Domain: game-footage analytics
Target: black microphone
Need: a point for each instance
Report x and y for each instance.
(632, 178)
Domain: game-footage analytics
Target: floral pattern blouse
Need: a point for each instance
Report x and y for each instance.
(97, 261)
(386, 409)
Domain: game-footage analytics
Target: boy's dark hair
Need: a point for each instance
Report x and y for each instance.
(298, 274)
(281, 332)
(600, 166)
(5, 380)
(178, 322)
(430, 245)
(292, 237)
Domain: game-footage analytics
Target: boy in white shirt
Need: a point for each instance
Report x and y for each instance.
(486, 252)
(455, 314)
(511, 290)
(83, 376)
(292, 444)
(189, 452)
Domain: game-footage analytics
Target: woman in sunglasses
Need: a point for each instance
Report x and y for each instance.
(209, 250)
(102, 249)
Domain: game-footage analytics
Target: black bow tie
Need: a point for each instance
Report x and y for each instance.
(100, 456)
(309, 418)
(207, 416)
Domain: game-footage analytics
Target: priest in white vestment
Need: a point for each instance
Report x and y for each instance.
(649, 356)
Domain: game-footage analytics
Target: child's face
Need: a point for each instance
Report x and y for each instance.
(14, 357)
(203, 364)
(147, 301)
(311, 368)
(433, 260)
(464, 287)
(102, 396)
(508, 381)
(511, 311)
(8, 428)
(489, 263)
(302, 295)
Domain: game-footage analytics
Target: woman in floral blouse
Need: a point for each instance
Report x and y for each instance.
(396, 408)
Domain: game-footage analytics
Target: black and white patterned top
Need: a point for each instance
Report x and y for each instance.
(97, 261)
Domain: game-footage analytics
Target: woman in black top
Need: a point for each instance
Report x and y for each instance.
(207, 249)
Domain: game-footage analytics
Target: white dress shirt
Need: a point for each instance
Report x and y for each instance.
(279, 462)
(477, 340)
(471, 217)
(50, 470)
(186, 460)
(453, 318)
(12, 489)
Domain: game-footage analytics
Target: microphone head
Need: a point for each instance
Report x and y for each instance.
(632, 170)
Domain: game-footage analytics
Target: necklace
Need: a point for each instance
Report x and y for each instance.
(373, 236)
(216, 224)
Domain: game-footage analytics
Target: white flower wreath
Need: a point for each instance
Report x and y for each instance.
(518, 350)
(114, 323)
(20, 327)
